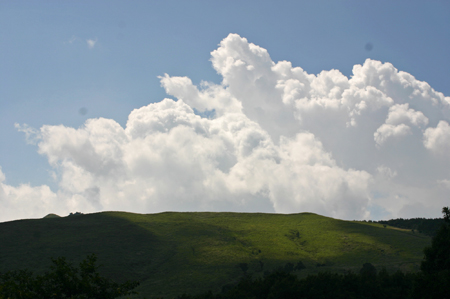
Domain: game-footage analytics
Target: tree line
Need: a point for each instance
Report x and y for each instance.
(425, 226)
(63, 280)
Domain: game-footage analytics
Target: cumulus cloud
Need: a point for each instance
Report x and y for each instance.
(437, 139)
(400, 113)
(31, 134)
(398, 123)
(277, 140)
(25, 201)
(387, 131)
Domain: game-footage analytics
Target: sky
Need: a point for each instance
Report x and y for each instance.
(340, 108)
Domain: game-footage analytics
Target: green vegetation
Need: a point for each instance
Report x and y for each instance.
(422, 225)
(175, 253)
(63, 281)
(51, 215)
(433, 281)
(325, 285)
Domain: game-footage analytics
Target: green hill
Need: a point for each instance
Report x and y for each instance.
(172, 253)
(51, 215)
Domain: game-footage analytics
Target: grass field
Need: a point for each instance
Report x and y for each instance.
(172, 253)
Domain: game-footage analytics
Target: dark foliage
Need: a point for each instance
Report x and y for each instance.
(434, 280)
(244, 267)
(63, 281)
(299, 266)
(323, 285)
(368, 271)
(437, 257)
(423, 225)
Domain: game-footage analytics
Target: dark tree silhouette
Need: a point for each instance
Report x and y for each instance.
(434, 281)
(63, 281)
(368, 270)
(244, 267)
(437, 257)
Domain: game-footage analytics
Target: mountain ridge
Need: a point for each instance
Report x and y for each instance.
(172, 253)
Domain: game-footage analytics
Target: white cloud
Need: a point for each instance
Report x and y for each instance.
(211, 97)
(400, 114)
(31, 134)
(73, 39)
(385, 172)
(437, 139)
(91, 43)
(281, 140)
(387, 131)
(25, 201)
(398, 123)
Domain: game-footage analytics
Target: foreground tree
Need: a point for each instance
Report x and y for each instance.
(63, 281)
(434, 281)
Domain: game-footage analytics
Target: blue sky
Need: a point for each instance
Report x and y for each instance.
(64, 62)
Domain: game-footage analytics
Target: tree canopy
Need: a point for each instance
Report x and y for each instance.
(63, 280)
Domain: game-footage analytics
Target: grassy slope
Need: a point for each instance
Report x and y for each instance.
(172, 253)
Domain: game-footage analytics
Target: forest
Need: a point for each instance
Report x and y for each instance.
(422, 225)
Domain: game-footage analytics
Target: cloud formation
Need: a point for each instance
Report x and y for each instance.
(277, 139)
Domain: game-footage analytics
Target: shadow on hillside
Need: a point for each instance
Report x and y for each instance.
(385, 246)
(125, 250)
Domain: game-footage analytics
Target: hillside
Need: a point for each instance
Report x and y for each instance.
(52, 216)
(172, 253)
(422, 225)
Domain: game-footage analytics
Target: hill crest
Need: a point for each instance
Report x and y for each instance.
(176, 252)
